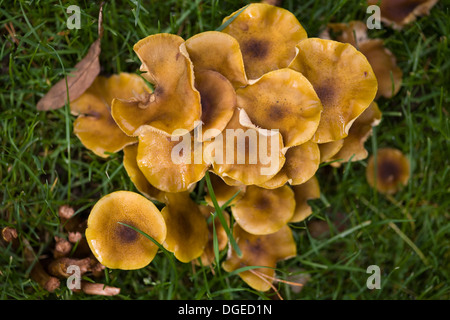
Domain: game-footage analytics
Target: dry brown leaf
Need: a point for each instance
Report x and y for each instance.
(77, 81)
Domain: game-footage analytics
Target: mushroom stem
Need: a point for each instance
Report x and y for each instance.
(45, 280)
(69, 221)
(58, 267)
(38, 272)
(98, 289)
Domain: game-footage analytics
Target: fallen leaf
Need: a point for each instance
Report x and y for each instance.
(77, 81)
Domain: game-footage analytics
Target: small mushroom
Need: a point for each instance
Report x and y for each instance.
(303, 192)
(94, 125)
(116, 245)
(220, 52)
(399, 13)
(284, 100)
(99, 289)
(263, 251)
(170, 164)
(353, 145)
(390, 171)
(137, 177)
(248, 155)
(175, 102)
(218, 100)
(264, 211)
(187, 230)
(224, 192)
(343, 80)
(302, 162)
(267, 36)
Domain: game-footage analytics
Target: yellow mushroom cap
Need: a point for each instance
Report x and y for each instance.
(384, 65)
(283, 100)
(301, 164)
(382, 60)
(223, 192)
(267, 36)
(187, 230)
(353, 145)
(398, 13)
(220, 52)
(170, 163)
(329, 149)
(214, 227)
(260, 251)
(117, 246)
(390, 172)
(94, 125)
(248, 155)
(264, 211)
(304, 192)
(343, 80)
(175, 102)
(230, 181)
(137, 177)
(218, 100)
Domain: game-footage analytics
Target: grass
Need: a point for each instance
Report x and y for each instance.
(43, 165)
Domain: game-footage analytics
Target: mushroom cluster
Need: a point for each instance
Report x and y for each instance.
(254, 109)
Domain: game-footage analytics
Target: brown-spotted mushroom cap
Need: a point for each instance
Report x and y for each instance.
(343, 80)
(301, 164)
(218, 100)
(117, 246)
(390, 172)
(398, 13)
(283, 100)
(303, 192)
(187, 230)
(170, 163)
(382, 60)
(384, 65)
(214, 226)
(94, 125)
(246, 155)
(137, 177)
(175, 102)
(220, 52)
(264, 211)
(267, 36)
(223, 192)
(353, 145)
(260, 251)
